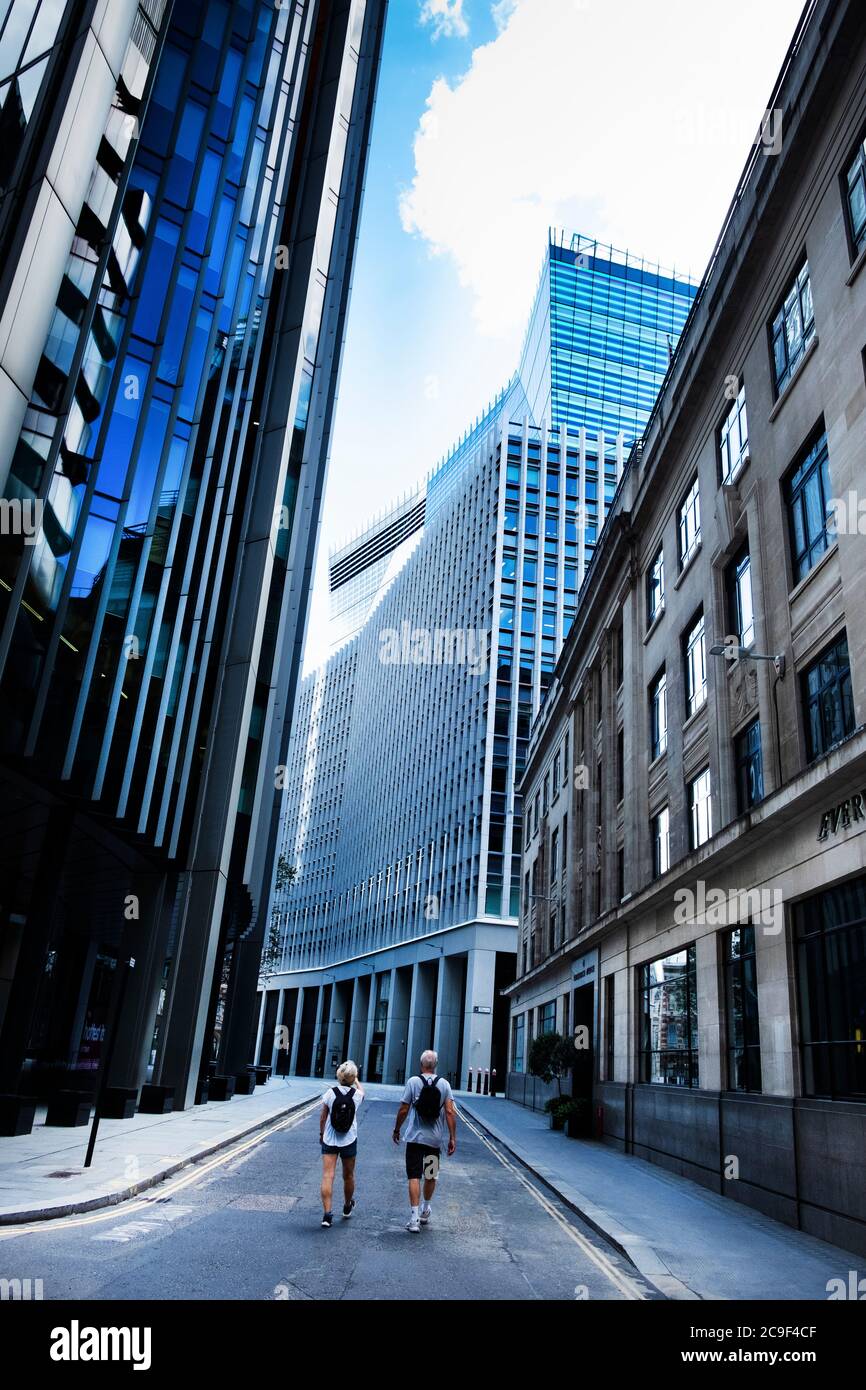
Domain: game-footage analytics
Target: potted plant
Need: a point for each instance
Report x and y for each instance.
(551, 1057)
(557, 1108)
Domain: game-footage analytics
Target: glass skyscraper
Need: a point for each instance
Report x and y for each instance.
(180, 206)
(402, 818)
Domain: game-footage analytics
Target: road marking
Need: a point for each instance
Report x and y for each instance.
(625, 1285)
(164, 1190)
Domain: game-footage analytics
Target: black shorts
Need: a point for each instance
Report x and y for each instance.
(415, 1161)
(344, 1150)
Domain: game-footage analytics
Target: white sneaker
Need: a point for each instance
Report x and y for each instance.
(426, 1213)
(413, 1225)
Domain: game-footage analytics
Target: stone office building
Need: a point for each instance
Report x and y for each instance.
(694, 857)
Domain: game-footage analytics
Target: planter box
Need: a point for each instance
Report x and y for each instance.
(69, 1109)
(118, 1103)
(262, 1075)
(221, 1087)
(202, 1090)
(17, 1114)
(245, 1082)
(556, 1121)
(579, 1126)
(156, 1100)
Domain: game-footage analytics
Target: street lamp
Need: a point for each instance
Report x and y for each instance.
(731, 651)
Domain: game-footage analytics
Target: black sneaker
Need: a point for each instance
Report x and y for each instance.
(348, 1208)
(328, 1219)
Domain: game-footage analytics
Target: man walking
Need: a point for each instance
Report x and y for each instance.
(428, 1100)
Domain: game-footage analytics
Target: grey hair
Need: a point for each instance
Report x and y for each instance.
(347, 1074)
(429, 1059)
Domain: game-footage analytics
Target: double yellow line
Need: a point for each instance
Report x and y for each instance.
(119, 1211)
(626, 1286)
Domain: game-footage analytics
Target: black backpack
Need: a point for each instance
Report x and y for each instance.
(342, 1110)
(429, 1102)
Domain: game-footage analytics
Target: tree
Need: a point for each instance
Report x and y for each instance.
(551, 1057)
(285, 875)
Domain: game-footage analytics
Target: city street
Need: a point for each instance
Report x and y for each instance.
(246, 1226)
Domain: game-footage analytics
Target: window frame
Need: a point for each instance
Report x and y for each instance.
(735, 414)
(691, 784)
(809, 699)
(744, 761)
(736, 969)
(658, 737)
(655, 583)
(692, 687)
(691, 1051)
(690, 506)
(735, 570)
(777, 328)
(812, 462)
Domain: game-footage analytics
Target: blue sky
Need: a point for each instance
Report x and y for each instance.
(626, 121)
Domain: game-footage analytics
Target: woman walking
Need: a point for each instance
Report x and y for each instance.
(338, 1135)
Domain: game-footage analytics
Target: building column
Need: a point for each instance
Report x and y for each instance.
(776, 989)
(397, 1033)
(358, 1021)
(145, 939)
(447, 1024)
(296, 1031)
(709, 1021)
(478, 1027)
(420, 1029)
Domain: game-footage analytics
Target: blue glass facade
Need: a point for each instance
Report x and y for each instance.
(173, 449)
(602, 331)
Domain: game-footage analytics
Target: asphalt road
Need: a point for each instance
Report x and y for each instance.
(246, 1226)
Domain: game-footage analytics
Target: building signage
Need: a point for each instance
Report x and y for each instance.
(585, 968)
(482, 1009)
(840, 817)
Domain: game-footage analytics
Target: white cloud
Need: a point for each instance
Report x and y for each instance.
(627, 121)
(502, 10)
(446, 18)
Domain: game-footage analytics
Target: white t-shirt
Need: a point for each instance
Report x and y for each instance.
(331, 1136)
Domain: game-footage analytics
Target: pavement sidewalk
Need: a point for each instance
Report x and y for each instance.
(41, 1173)
(689, 1242)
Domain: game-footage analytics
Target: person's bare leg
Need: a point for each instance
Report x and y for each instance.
(348, 1179)
(329, 1165)
(414, 1191)
(429, 1188)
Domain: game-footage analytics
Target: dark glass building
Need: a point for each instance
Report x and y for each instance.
(181, 189)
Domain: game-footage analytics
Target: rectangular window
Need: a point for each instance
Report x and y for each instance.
(734, 439)
(545, 802)
(793, 328)
(695, 662)
(741, 1001)
(700, 810)
(564, 844)
(658, 716)
(828, 704)
(690, 524)
(535, 814)
(830, 936)
(661, 842)
(547, 1018)
(556, 777)
(669, 1021)
(565, 767)
(810, 516)
(741, 616)
(620, 766)
(609, 1032)
(655, 588)
(518, 1040)
(554, 857)
(749, 767)
(855, 195)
